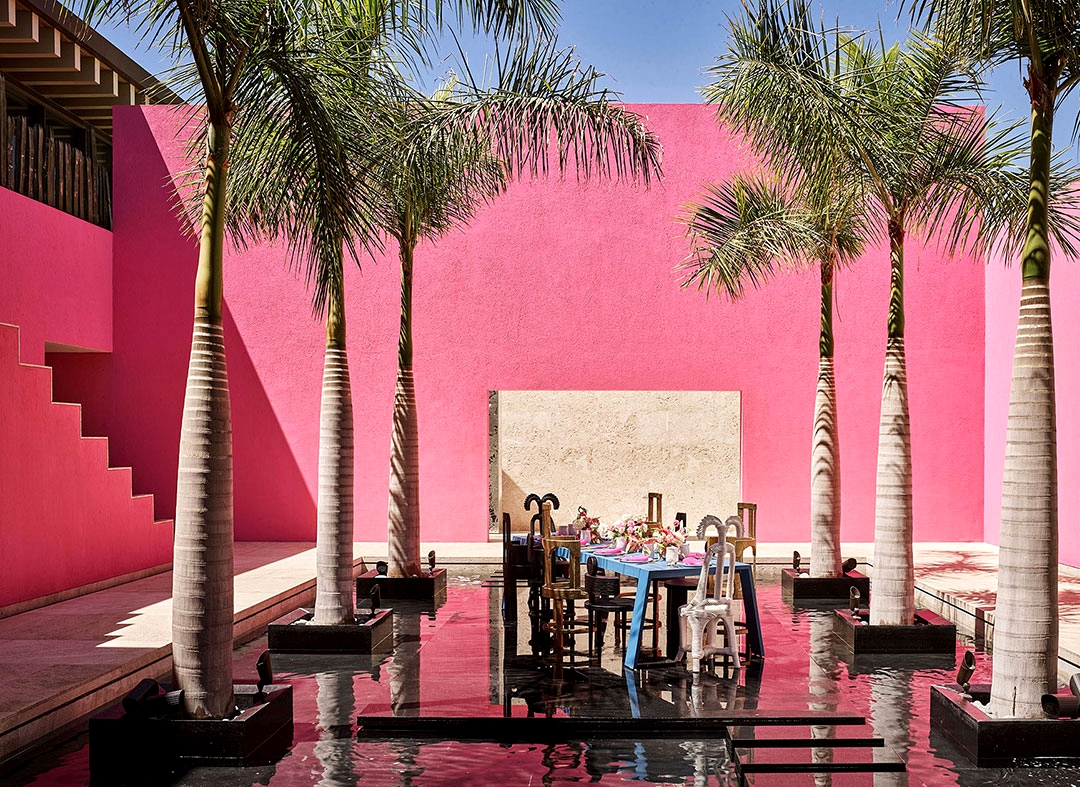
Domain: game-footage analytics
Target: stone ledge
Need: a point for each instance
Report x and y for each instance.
(993, 743)
(126, 750)
(427, 587)
(369, 634)
(796, 588)
(931, 634)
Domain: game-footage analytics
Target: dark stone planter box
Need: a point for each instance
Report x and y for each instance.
(372, 633)
(796, 588)
(994, 743)
(127, 750)
(931, 634)
(428, 587)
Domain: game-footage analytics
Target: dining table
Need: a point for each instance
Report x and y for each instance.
(648, 571)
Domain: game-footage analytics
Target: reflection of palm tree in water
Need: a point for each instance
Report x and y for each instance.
(404, 671)
(822, 684)
(404, 668)
(890, 715)
(562, 757)
(337, 711)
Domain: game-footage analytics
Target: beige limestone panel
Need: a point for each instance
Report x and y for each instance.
(606, 450)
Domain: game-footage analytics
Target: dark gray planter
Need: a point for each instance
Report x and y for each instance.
(931, 634)
(796, 588)
(995, 743)
(426, 587)
(138, 751)
(372, 633)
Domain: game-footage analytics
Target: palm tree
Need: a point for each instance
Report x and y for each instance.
(746, 231)
(255, 68)
(435, 182)
(456, 151)
(1046, 35)
(893, 115)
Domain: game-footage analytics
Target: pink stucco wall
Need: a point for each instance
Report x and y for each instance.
(558, 285)
(57, 277)
(1002, 308)
(66, 519)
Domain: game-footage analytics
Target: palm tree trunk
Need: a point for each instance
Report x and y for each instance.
(202, 621)
(334, 545)
(1026, 618)
(404, 526)
(892, 601)
(825, 454)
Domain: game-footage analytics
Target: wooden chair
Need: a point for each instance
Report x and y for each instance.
(603, 598)
(747, 512)
(563, 553)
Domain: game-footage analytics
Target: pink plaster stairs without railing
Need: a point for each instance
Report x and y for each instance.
(69, 523)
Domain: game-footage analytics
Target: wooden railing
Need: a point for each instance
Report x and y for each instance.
(54, 172)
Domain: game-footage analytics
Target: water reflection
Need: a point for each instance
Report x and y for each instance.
(822, 685)
(404, 667)
(890, 715)
(455, 671)
(404, 670)
(337, 711)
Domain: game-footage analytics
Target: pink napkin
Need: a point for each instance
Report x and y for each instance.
(692, 560)
(638, 558)
(608, 552)
(695, 554)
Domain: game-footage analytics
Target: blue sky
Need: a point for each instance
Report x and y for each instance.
(655, 51)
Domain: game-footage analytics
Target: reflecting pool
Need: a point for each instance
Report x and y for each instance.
(462, 659)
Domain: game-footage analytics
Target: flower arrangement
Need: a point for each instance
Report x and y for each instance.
(632, 528)
(644, 536)
(584, 521)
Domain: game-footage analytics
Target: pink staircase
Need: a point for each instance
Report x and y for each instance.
(68, 521)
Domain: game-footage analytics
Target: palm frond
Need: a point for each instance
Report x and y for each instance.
(539, 103)
(747, 230)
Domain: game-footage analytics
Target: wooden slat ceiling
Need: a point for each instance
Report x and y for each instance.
(50, 52)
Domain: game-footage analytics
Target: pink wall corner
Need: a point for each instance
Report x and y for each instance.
(1002, 309)
(60, 503)
(57, 274)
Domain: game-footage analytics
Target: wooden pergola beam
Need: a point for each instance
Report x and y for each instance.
(26, 29)
(69, 58)
(47, 45)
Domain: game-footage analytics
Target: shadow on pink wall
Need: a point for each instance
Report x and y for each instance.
(135, 395)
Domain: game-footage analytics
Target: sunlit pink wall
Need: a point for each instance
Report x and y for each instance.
(1002, 309)
(555, 286)
(57, 273)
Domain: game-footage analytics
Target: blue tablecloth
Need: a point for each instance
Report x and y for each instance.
(645, 573)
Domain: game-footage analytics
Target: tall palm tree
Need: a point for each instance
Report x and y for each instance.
(435, 182)
(747, 230)
(1046, 35)
(255, 69)
(456, 152)
(252, 67)
(893, 115)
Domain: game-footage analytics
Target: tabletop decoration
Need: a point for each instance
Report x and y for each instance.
(587, 526)
(629, 533)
